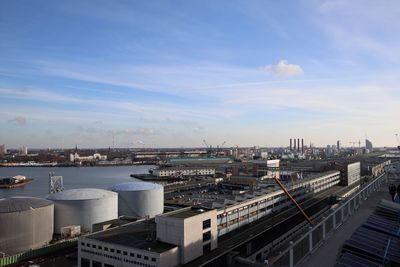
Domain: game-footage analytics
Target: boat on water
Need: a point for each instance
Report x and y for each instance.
(13, 182)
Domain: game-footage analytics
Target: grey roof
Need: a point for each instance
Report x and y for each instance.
(139, 235)
(82, 194)
(17, 204)
(135, 186)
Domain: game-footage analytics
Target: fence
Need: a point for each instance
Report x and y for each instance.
(300, 249)
(32, 254)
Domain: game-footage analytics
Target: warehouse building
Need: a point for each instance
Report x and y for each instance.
(184, 171)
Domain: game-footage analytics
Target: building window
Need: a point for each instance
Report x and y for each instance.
(106, 248)
(206, 224)
(96, 264)
(111, 249)
(207, 248)
(100, 247)
(108, 265)
(85, 262)
(118, 251)
(146, 258)
(125, 253)
(139, 256)
(153, 259)
(132, 254)
(206, 236)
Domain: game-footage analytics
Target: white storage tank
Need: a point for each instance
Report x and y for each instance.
(25, 223)
(83, 207)
(139, 199)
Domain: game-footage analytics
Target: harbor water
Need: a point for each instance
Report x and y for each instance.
(74, 177)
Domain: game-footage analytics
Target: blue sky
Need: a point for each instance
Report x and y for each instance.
(172, 73)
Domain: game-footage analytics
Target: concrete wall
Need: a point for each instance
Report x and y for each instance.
(187, 233)
(353, 173)
(86, 250)
(169, 258)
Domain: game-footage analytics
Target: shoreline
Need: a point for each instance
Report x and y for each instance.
(72, 166)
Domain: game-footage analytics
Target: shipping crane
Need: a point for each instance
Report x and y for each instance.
(204, 141)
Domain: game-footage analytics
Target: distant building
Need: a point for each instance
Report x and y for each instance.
(269, 168)
(23, 151)
(350, 172)
(184, 171)
(368, 145)
(76, 157)
(3, 150)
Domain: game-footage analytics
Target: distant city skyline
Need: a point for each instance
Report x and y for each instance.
(170, 74)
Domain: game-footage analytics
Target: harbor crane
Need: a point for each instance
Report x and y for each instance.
(204, 141)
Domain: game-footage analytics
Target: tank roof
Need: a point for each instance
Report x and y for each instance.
(135, 186)
(82, 194)
(16, 204)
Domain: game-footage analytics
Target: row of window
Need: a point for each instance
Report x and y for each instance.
(125, 253)
(298, 193)
(86, 263)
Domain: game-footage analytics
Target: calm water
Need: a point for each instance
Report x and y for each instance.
(82, 177)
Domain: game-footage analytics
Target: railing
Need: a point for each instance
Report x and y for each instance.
(297, 251)
(31, 254)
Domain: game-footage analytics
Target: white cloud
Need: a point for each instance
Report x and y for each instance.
(284, 68)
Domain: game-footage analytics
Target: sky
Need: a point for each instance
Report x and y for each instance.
(173, 73)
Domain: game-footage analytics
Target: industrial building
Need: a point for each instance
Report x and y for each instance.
(368, 145)
(195, 161)
(83, 207)
(374, 167)
(181, 236)
(25, 223)
(139, 199)
(3, 150)
(184, 171)
(268, 168)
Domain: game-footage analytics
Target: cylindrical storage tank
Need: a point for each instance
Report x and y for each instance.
(25, 223)
(139, 199)
(83, 207)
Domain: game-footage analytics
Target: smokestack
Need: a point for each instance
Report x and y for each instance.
(294, 141)
(338, 144)
(298, 144)
(302, 145)
(290, 144)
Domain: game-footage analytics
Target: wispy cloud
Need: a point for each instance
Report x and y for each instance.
(18, 120)
(374, 33)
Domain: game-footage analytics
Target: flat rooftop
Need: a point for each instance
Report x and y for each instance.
(139, 235)
(186, 213)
